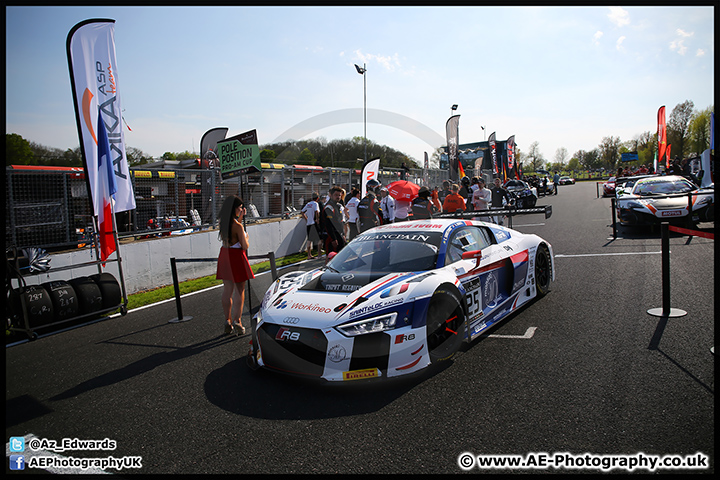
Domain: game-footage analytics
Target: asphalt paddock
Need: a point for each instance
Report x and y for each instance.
(585, 372)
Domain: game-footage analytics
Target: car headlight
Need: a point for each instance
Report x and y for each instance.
(369, 325)
(633, 204)
(704, 201)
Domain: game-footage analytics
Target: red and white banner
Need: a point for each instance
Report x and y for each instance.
(106, 188)
(95, 85)
(369, 172)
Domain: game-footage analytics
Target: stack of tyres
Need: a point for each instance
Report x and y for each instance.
(38, 306)
(88, 294)
(109, 289)
(64, 300)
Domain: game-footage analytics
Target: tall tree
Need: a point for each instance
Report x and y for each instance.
(610, 152)
(677, 127)
(699, 132)
(17, 150)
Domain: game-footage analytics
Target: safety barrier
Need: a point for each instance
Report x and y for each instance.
(666, 311)
(176, 286)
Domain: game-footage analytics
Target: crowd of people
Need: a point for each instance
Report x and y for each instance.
(334, 219)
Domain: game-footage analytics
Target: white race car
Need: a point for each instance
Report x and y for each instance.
(665, 198)
(398, 298)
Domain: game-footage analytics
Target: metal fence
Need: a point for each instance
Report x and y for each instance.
(49, 208)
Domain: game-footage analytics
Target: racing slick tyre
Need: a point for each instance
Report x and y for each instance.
(543, 270)
(109, 289)
(445, 322)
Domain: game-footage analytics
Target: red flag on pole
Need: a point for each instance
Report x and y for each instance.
(667, 156)
(106, 188)
(661, 133)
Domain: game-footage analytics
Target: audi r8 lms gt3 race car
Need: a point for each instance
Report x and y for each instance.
(667, 198)
(398, 298)
(567, 181)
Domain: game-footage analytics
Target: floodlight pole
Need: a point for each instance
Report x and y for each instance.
(362, 71)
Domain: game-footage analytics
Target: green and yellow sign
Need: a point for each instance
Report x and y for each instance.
(239, 155)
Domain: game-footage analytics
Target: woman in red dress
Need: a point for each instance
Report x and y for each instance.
(233, 267)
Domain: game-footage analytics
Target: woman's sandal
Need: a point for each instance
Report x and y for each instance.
(238, 329)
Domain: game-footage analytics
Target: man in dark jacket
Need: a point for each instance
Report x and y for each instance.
(368, 210)
(332, 219)
(421, 206)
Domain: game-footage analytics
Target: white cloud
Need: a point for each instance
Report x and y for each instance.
(619, 16)
(700, 53)
(596, 37)
(389, 62)
(618, 44)
(679, 43)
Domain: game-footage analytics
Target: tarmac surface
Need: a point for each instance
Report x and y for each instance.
(581, 374)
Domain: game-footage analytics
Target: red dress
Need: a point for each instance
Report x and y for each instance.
(233, 265)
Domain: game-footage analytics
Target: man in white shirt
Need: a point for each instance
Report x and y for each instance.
(481, 199)
(311, 214)
(387, 206)
(351, 205)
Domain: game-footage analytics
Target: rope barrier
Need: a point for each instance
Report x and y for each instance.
(693, 233)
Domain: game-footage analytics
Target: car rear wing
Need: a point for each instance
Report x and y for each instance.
(509, 211)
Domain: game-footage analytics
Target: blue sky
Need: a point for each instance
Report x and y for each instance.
(561, 76)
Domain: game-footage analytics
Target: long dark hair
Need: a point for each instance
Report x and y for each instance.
(227, 217)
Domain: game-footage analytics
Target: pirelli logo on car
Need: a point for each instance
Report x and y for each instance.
(360, 374)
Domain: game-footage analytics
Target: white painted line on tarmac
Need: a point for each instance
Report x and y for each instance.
(526, 336)
(606, 254)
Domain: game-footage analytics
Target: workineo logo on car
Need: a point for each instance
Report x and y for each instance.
(314, 307)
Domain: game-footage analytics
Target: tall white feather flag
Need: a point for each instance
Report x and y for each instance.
(95, 85)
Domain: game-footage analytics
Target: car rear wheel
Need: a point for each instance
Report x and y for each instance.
(445, 321)
(543, 270)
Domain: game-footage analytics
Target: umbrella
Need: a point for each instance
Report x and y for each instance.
(403, 190)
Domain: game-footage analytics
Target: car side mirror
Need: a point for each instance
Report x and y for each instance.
(476, 254)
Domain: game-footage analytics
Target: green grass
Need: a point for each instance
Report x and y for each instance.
(163, 293)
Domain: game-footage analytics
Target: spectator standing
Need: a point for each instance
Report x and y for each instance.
(401, 210)
(556, 182)
(351, 205)
(367, 212)
(311, 214)
(498, 196)
(387, 206)
(444, 192)
(421, 206)
(482, 197)
(333, 218)
(454, 201)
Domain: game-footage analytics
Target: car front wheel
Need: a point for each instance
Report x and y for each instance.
(543, 270)
(445, 323)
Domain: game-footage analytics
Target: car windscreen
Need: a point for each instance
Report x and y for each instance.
(387, 252)
(663, 186)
